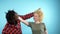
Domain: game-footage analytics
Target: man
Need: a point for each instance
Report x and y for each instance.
(13, 25)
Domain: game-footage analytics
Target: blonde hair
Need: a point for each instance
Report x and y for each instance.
(40, 13)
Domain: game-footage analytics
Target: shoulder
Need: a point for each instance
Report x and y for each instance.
(43, 23)
(31, 22)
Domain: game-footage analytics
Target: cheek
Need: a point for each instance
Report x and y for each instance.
(36, 18)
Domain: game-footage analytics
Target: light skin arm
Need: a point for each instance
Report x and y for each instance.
(46, 32)
(24, 21)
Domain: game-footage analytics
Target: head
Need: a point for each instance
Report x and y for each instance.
(38, 15)
(11, 17)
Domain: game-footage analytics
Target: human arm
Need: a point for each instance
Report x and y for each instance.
(24, 21)
(46, 32)
(27, 16)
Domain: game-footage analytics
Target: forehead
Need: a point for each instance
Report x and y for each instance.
(40, 15)
(35, 14)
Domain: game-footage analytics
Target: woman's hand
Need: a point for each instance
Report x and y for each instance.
(24, 21)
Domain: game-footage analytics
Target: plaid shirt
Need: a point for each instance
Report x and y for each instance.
(12, 29)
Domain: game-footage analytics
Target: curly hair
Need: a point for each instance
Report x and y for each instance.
(11, 17)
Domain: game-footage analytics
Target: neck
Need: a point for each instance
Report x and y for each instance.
(37, 22)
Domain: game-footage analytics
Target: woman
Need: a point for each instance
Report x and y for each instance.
(13, 25)
(37, 27)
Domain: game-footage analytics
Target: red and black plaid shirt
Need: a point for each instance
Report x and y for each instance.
(12, 29)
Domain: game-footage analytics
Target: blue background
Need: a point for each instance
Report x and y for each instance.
(50, 9)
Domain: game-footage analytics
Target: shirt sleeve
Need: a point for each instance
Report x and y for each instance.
(27, 16)
(30, 24)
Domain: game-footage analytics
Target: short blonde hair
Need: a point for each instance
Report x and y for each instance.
(40, 13)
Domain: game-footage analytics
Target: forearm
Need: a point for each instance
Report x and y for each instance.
(24, 21)
(46, 32)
